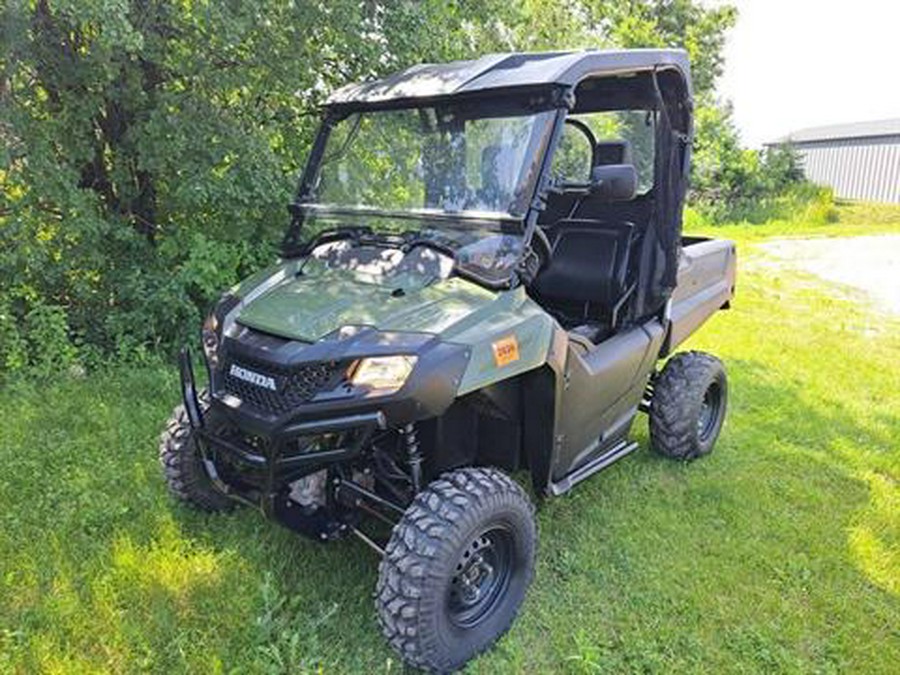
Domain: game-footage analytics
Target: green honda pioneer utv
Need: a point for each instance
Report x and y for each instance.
(483, 268)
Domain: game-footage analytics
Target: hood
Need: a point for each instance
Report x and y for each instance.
(310, 305)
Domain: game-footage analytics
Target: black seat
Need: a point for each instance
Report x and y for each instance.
(612, 152)
(586, 280)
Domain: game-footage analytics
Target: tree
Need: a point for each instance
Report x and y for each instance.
(150, 147)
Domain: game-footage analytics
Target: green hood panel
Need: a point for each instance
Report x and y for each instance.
(310, 306)
(320, 301)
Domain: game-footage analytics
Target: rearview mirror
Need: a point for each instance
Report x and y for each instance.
(615, 182)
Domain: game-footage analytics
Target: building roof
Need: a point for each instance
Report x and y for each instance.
(504, 71)
(837, 131)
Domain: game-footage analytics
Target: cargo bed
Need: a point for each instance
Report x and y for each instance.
(706, 278)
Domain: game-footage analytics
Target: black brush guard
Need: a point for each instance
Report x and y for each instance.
(270, 462)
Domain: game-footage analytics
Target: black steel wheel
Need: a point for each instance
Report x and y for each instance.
(690, 398)
(456, 568)
(481, 577)
(182, 465)
(710, 419)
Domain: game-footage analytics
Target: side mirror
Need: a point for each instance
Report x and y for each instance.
(615, 182)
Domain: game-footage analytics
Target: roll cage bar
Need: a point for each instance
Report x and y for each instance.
(633, 79)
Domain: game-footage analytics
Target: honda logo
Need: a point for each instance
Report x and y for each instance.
(260, 380)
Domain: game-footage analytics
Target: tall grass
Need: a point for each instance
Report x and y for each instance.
(800, 203)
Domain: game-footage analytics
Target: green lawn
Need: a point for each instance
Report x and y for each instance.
(778, 553)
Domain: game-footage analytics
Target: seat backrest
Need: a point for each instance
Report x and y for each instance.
(612, 152)
(588, 265)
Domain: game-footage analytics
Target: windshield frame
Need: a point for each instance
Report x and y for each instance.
(520, 104)
(410, 214)
(657, 79)
(534, 167)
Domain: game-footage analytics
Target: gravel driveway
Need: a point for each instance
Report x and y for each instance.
(869, 263)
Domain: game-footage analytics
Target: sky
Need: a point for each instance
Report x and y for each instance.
(792, 64)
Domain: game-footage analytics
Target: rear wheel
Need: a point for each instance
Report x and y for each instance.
(690, 398)
(456, 568)
(182, 464)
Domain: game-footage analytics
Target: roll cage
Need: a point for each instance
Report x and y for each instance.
(568, 83)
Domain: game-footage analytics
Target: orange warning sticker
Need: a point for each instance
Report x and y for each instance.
(505, 351)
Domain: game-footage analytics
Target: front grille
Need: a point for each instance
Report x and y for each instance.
(294, 386)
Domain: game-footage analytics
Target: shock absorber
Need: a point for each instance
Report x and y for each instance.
(413, 456)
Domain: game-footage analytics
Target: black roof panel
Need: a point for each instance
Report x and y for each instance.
(503, 71)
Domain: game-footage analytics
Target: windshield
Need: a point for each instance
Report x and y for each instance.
(461, 175)
(450, 160)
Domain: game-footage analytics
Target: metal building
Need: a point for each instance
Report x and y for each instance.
(859, 161)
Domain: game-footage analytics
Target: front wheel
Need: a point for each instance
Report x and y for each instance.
(688, 407)
(182, 464)
(456, 568)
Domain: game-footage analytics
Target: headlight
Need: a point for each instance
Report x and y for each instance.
(209, 336)
(382, 374)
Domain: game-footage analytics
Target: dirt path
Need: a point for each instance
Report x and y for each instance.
(869, 263)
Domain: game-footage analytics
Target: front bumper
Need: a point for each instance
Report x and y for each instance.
(252, 452)
(266, 467)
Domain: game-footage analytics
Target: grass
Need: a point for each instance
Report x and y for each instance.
(847, 219)
(778, 553)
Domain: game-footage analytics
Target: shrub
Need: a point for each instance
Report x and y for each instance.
(147, 150)
(735, 184)
(13, 347)
(41, 343)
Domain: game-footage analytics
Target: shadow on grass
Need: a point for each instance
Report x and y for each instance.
(840, 449)
(745, 557)
(100, 569)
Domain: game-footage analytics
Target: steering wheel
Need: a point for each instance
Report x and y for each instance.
(538, 257)
(540, 244)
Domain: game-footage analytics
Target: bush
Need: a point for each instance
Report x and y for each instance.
(13, 347)
(41, 343)
(734, 184)
(147, 150)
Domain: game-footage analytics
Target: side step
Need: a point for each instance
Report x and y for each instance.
(616, 453)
